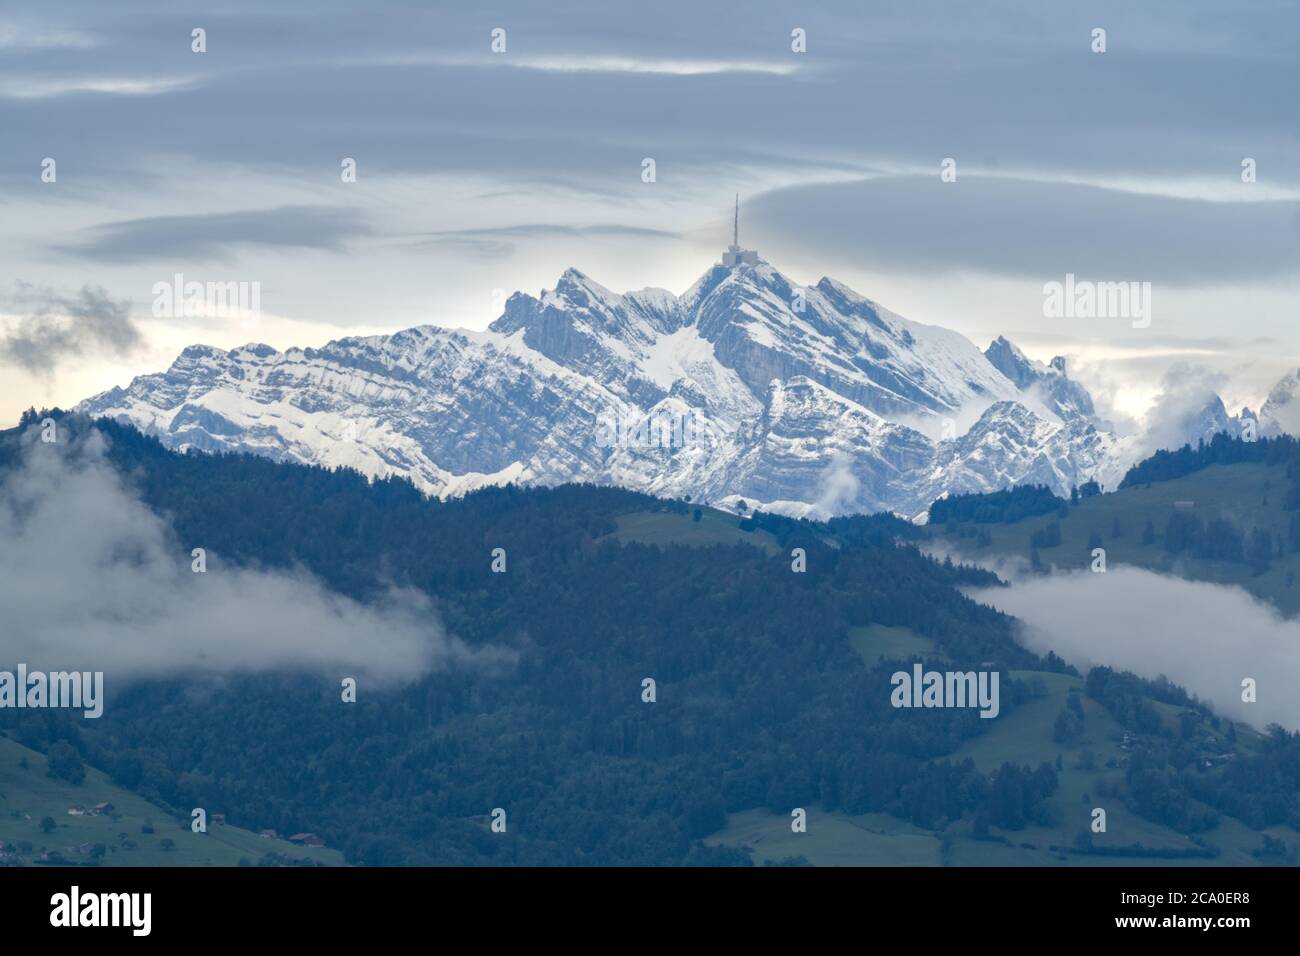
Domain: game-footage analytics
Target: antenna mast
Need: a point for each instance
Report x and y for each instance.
(736, 256)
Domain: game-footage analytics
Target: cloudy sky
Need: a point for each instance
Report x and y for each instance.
(479, 173)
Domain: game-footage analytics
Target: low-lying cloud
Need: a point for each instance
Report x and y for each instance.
(55, 327)
(1206, 637)
(1187, 404)
(92, 579)
(839, 485)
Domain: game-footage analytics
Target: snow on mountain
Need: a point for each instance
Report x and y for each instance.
(1010, 445)
(1064, 398)
(810, 399)
(765, 327)
(1208, 421)
(1280, 412)
(817, 447)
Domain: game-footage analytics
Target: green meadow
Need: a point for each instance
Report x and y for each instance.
(28, 795)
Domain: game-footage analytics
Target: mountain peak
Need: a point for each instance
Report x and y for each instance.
(1008, 359)
(200, 351)
(580, 286)
(260, 349)
(1049, 384)
(574, 277)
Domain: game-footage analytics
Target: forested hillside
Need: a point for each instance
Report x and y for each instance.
(762, 701)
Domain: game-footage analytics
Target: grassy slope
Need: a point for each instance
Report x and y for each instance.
(1025, 736)
(27, 795)
(1250, 495)
(832, 839)
(714, 527)
(878, 642)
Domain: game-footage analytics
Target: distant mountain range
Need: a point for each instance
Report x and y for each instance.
(798, 399)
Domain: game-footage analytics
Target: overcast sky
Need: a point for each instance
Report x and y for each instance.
(481, 173)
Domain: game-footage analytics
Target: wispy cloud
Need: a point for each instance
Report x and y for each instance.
(16, 38)
(35, 88)
(635, 64)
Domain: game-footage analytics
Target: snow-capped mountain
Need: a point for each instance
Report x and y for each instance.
(1280, 412)
(803, 399)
